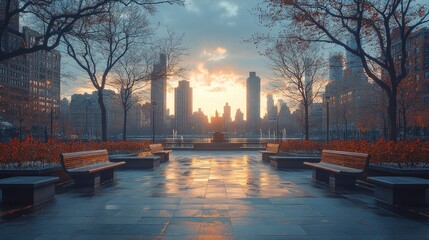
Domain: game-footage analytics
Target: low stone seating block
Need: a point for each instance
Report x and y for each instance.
(398, 190)
(26, 190)
(138, 162)
(285, 162)
(271, 150)
(158, 150)
(339, 168)
(89, 167)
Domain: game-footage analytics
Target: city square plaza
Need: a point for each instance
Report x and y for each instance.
(213, 195)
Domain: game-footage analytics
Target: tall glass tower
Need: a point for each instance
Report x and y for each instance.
(253, 99)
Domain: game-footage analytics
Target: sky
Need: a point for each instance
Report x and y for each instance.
(218, 60)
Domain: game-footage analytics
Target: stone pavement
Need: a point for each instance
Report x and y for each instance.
(211, 195)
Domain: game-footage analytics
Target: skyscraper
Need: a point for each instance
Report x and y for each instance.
(253, 102)
(336, 67)
(159, 94)
(183, 107)
(270, 107)
(227, 117)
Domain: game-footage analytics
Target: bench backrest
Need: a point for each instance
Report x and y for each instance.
(272, 147)
(346, 159)
(80, 159)
(156, 147)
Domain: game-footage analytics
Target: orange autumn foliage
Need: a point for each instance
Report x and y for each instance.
(380, 151)
(33, 150)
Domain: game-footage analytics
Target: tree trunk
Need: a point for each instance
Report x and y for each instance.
(404, 121)
(124, 129)
(392, 109)
(103, 116)
(346, 130)
(306, 124)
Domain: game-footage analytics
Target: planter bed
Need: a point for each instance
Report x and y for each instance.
(378, 170)
(54, 171)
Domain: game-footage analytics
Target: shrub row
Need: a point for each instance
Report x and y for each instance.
(381, 150)
(32, 150)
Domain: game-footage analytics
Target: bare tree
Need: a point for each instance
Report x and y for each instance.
(52, 19)
(132, 75)
(101, 41)
(298, 71)
(372, 30)
(408, 100)
(134, 71)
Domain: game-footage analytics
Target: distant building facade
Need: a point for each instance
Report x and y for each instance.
(253, 100)
(159, 94)
(85, 115)
(227, 117)
(352, 98)
(29, 84)
(183, 107)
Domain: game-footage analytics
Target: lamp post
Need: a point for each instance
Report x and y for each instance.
(327, 99)
(277, 126)
(52, 122)
(88, 103)
(153, 120)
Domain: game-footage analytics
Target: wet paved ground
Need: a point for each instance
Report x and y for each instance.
(212, 195)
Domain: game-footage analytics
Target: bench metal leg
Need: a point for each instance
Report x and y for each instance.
(319, 175)
(87, 179)
(162, 156)
(30, 195)
(107, 175)
(341, 181)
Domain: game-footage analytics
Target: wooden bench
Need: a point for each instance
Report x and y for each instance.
(340, 169)
(286, 162)
(272, 149)
(158, 150)
(26, 190)
(398, 190)
(143, 160)
(89, 167)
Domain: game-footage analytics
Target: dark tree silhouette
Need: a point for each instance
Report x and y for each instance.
(376, 28)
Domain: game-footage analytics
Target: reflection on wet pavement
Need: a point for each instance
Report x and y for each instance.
(212, 195)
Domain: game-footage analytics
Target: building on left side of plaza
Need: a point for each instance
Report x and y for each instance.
(29, 84)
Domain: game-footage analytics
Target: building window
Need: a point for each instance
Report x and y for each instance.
(417, 50)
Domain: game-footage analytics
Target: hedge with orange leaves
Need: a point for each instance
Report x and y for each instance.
(36, 151)
(381, 150)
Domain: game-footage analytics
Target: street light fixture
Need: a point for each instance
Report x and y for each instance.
(327, 99)
(153, 120)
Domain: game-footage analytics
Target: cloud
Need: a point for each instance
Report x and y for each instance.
(191, 6)
(217, 54)
(212, 76)
(217, 89)
(230, 9)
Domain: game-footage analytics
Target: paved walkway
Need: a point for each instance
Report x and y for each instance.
(212, 195)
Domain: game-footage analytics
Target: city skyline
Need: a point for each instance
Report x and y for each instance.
(218, 59)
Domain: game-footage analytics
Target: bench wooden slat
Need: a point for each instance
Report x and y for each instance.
(95, 167)
(159, 150)
(334, 168)
(346, 159)
(339, 168)
(84, 158)
(89, 167)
